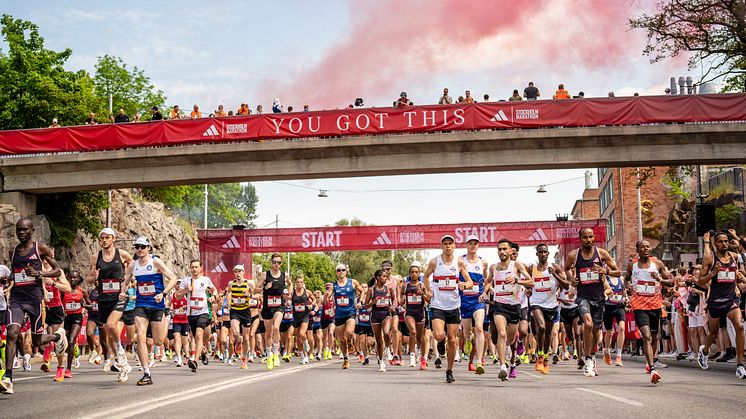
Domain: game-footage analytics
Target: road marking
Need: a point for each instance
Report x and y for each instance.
(531, 374)
(31, 378)
(611, 396)
(158, 402)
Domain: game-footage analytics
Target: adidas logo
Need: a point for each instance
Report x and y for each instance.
(232, 243)
(382, 239)
(538, 235)
(220, 268)
(500, 117)
(211, 132)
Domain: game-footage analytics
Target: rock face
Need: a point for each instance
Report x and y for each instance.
(131, 217)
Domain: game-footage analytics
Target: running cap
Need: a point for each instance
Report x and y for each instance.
(142, 240)
(447, 236)
(341, 266)
(415, 263)
(238, 268)
(386, 264)
(107, 230)
(472, 237)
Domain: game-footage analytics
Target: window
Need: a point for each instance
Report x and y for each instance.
(601, 172)
(607, 195)
(610, 185)
(612, 252)
(610, 227)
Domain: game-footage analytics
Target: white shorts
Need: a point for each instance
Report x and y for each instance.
(697, 320)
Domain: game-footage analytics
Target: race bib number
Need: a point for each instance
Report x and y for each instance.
(447, 285)
(110, 286)
(726, 275)
(72, 306)
(180, 311)
(474, 290)
(414, 299)
(146, 289)
(542, 284)
(616, 298)
(316, 318)
(502, 290)
(646, 289)
(274, 302)
(288, 315)
(299, 308)
(343, 301)
(365, 318)
(329, 312)
(196, 303)
(253, 303)
(94, 306)
(588, 276)
(50, 295)
(239, 301)
(382, 303)
(20, 278)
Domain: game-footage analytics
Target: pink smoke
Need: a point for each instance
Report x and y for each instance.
(395, 44)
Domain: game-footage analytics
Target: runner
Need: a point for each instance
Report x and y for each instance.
(318, 334)
(26, 295)
(395, 336)
(286, 327)
(148, 274)
(503, 280)
(584, 266)
(378, 301)
(363, 329)
(272, 283)
(199, 290)
(73, 305)
(548, 277)
(128, 318)
(524, 335)
(443, 294)
(472, 309)
(345, 291)
(240, 294)
(720, 272)
(614, 309)
(327, 321)
(93, 323)
(413, 297)
(110, 264)
(54, 318)
(302, 300)
(223, 313)
(180, 325)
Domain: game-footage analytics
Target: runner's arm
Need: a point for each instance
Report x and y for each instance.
(612, 269)
(426, 279)
(61, 283)
(528, 281)
(464, 272)
(665, 275)
(46, 255)
(172, 279)
(707, 271)
(570, 267)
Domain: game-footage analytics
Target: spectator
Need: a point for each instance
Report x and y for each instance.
(195, 112)
(611, 94)
(157, 116)
(350, 106)
(403, 100)
(515, 96)
(305, 108)
(259, 109)
(445, 99)
(91, 119)
(220, 111)
(175, 113)
(460, 99)
(55, 124)
(112, 119)
(580, 95)
(468, 98)
(561, 93)
(230, 113)
(531, 92)
(121, 117)
(138, 117)
(290, 108)
(244, 110)
(636, 94)
(486, 98)
(277, 106)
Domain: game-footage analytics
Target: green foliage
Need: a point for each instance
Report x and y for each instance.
(69, 212)
(720, 190)
(34, 86)
(130, 87)
(727, 216)
(676, 178)
(316, 268)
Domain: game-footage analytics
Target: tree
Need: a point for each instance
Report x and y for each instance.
(34, 86)
(316, 268)
(69, 212)
(714, 31)
(130, 88)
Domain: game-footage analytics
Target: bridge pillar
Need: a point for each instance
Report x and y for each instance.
(24, 203)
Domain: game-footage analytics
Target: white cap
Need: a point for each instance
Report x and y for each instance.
(142, 240)
(238, 268)
(109, 231)
(415, 263)
(447, 236)
(341, 266)
(472, 237)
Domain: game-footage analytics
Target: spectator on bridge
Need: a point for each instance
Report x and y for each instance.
(580, 95)
(445, 99)
(121, 117)
(230, 113)
(611, 94)
(112, 118)
(531, 92)
(486, 98)
(290, 108)
(175, 113)
(277, 106)
(220, 111)
(156, 114)
(305, 108)
(403, 100)
(244, 110)
(515, 96)
(138, 117)
(195, 112)
(259, 109)
(460, 100)
(561, 93)
(55, 124)
(91, 119)
(468, 98)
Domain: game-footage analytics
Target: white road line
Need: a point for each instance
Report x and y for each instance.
(530, 374)
(158, 402)
(611, 396)
(32, 378)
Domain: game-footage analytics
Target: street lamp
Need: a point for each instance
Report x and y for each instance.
(322, 193)
(541, 189)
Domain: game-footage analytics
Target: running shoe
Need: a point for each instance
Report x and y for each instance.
(107, 366)
(539, 364)
(306, 347)
(97, 360)
(27, 362)
(68, 374)
(151, 363)
(655, 376)
(702, 359)
(381, 366)
(6, 386)
(412, 361)
(270, 362)
(588, 368)
(114, 367)
(513, 372)
(244, 365)
(472, 367)
(607, 357)
(691, 357)
(276, 359)
(545, 370)
(727, 356)
(145, 380)
(619, 362)
(449, 377)
(467, 347)
(581, 363)
(503, 374)
(366, 361)
(121, 356)
(714, 356)
(17, 363)
(480, 369)
(205, 360)
(124, 373)
(555, 359)
(61, 345)
(192, 365)
(318, 357)
(741, 372)
(438, 363)
(230, 361)
(520, 348)
(423, 363)
(250, 359)
(346, 364)
(647, 369)
(92, 357)
(59, 376)
(659, 364)
(76, 362)
(45, 367)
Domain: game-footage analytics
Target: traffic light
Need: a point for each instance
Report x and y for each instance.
(705, 218)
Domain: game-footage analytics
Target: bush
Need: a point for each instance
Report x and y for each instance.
(727, 215)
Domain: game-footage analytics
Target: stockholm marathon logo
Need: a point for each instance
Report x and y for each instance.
(383, 239)
(221, 268)
(520, 114)
(538, 235)
(229, 129)
(232, 243)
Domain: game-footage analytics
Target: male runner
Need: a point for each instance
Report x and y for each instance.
(585, 267)
(109, 266)
(614, 309)
(302, 299)
(345, 290)
(240, 295)
(196, 289)
(720, 273)
(273, 283)
(472, 309)
(26, 295)
(148, 274)
(443, 294)
(645, 278)
(504, 281)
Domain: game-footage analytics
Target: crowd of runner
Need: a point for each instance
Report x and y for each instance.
(453, 308)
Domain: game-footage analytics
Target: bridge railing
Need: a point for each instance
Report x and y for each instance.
(639, 110)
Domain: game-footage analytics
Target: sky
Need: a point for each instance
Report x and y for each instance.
(325, 54)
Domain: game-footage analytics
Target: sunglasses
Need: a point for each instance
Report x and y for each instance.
(341, 270)
(140, 246)
(277, 262)
(386, 269)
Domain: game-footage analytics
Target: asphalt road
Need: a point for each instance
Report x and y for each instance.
(323, 389)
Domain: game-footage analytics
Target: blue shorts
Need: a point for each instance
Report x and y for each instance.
(467, 310)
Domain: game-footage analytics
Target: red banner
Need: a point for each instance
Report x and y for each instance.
(220, 249)
(371, 121)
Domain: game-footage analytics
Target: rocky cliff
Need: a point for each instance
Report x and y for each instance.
(131, 217)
